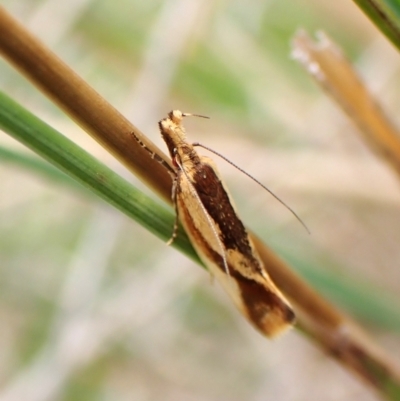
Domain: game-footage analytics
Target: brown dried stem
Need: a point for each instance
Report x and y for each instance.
(325, 62)
(81, 102)
(329, 327)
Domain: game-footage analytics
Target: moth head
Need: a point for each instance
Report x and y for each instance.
(172, 131)
(176, 116)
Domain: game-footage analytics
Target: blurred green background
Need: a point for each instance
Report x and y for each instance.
(93, 307)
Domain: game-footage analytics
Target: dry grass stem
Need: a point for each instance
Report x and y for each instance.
(325, 62)
(82, 103)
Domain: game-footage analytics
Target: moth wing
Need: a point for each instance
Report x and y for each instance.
(200, 195)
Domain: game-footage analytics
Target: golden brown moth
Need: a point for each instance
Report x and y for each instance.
(206, 211)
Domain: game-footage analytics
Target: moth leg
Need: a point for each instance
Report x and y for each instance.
(176, 223)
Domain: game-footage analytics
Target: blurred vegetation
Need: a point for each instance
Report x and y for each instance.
(93, 306)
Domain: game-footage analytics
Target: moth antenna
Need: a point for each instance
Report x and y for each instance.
(194, 115)
(258, 182)
(194, 192)
(154, 155)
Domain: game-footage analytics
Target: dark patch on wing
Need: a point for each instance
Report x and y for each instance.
(261, 302)
(264, 307)
(217, 203)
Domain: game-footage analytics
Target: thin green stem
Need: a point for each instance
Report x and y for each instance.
(385, 14)
(78, 164)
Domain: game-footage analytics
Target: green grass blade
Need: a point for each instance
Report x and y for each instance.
(36, 165)
(78, 164)
(385, 14)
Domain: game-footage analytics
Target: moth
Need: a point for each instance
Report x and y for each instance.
(207, 213)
